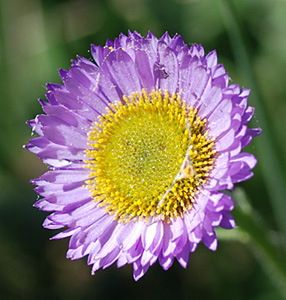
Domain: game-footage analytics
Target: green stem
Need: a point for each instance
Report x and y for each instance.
(251, 231)
(267, 156)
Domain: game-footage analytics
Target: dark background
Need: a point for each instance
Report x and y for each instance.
(39, 36)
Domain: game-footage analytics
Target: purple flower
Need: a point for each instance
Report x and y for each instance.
(140, 145)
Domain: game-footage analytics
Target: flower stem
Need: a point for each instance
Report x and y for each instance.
(252, 232)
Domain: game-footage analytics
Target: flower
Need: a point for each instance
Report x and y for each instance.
(140, 145)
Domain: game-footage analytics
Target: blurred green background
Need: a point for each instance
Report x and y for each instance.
(39, 36)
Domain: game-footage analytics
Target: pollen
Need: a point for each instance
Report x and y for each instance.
(148, 156)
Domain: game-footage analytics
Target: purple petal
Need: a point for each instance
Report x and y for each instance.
(211, 59)
(210, 240)
(123, 71)
(143, 69)
(166, 261)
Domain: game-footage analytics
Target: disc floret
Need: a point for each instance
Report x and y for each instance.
(149, 156)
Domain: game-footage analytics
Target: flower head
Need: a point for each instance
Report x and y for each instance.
(140, 145)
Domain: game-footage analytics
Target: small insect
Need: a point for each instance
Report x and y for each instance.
(165, 74)
(162, 70)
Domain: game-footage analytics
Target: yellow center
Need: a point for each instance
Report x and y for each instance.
(150, 154)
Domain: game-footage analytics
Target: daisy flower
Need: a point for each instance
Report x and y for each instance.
(140, 145)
